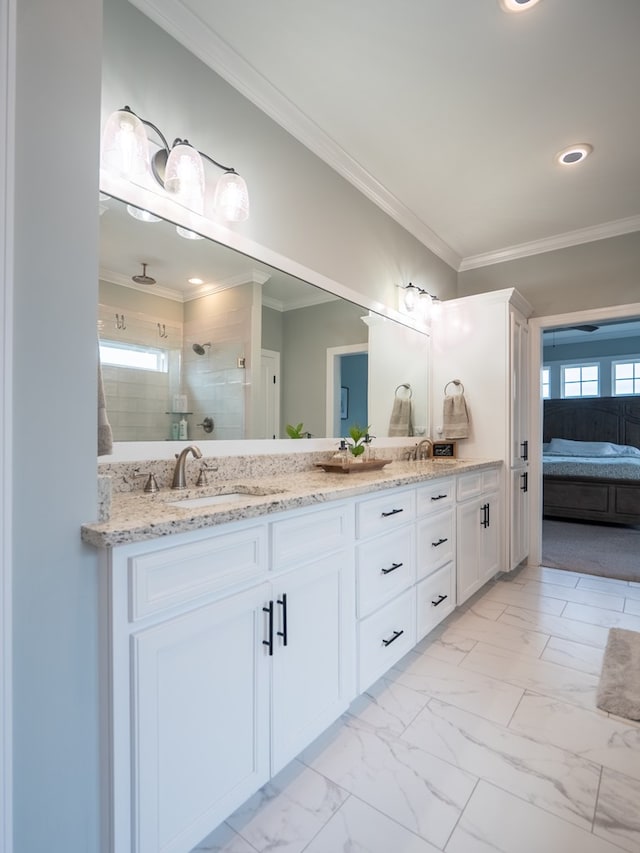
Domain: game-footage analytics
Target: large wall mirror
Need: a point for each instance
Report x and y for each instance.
(200, 341)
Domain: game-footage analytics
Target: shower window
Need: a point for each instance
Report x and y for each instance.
(116, 354)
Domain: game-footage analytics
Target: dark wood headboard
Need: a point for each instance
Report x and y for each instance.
(615, 419)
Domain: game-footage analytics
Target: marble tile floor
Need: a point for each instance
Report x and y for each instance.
(484, 739)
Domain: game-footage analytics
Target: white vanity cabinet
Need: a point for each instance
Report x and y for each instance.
(225, 657)
(482, 340)
(386, 576)
(478, 530)
(436, 554)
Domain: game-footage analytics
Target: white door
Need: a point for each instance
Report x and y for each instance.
(489, 539)
(313, 657)
(200, 720)
(469, 519)
(269, 422)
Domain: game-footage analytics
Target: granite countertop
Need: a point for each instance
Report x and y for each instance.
(136, 516)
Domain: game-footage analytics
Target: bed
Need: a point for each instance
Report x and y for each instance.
(591, 459)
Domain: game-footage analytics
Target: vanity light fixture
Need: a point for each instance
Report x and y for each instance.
(188, 235)
(574, 154)
(141, 214)
(414, 295)
(177, 168)
(517, 5)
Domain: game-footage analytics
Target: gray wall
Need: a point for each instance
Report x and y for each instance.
(307, 334)
(57, 126)
(603, 352)
(593, 275)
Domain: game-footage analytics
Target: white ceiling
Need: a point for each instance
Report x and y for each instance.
(447, 113)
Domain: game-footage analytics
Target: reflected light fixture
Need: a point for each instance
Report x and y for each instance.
(141, 214)
(178, 168)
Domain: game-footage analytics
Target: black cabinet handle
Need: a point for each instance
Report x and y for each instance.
(284, 633)
(484, 520)
(488, 515)
(393, 512)
(392, 568)
(525, 482)
(269, 641)
(396, 634)
(525, 450)
(438, 497)
(439, 542)
(441, 598)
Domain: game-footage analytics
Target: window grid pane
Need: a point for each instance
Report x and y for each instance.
(626, 378)
(580, 380)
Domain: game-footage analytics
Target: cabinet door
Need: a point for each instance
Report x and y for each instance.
(200, 720)
(313, 661)
(489, 539)
(519, 542)
(519, 388)
(469, 520)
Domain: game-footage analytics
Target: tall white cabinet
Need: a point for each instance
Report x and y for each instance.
(482, 340)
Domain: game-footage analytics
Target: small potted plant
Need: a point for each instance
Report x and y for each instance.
(296, 431)
(358, 441)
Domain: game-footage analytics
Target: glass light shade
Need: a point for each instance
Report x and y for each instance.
(410, 297)
(231, 199)
(184, 176)
(188, 235)
(141, 214)
(125, 147)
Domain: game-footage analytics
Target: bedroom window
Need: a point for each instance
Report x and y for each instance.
(626, 378)
(546, 383)
(580, 380)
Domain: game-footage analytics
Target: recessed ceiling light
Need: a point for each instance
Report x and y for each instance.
(196, 281)
(574, 154)
(517, 5)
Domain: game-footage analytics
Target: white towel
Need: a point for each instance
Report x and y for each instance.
(105, 436)
(455, 417)
(400, 422)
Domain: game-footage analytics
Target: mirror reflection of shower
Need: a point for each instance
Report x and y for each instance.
(199, 349)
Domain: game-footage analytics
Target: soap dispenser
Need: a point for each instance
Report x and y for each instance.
(183, 430)
(342, 456)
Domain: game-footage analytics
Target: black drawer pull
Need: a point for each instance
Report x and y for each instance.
(441, 598)
(269, 641)
(525, 450)
(525, 482)
(438, 497)
(393, 512)
(396, 634)
(439, 542)
(392, 568)
(284, 633)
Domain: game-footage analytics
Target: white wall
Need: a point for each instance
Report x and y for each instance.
(54, 449)
(593, 275)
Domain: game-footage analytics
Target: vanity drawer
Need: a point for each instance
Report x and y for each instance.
(436, 542)
(387, 512)
(170, 577)
(385, 637)
(435, 599)
(469, 485)
(307, 534)
(385, 567)
(435, 496)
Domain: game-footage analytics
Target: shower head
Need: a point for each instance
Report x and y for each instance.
(144, 278)
(199, 348)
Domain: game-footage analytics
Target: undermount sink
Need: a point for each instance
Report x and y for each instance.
(235, 494)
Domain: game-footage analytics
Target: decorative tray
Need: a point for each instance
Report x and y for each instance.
(353, 467)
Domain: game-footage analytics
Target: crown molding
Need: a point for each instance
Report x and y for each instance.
(194, 34)
(551, 244)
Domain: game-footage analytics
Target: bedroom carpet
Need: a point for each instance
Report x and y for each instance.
(595, 549)
(619, 687)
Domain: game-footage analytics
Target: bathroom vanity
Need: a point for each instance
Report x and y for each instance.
(234, 634)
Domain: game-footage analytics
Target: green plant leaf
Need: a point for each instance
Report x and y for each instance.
(357, 449)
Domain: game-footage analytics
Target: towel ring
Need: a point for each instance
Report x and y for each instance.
(455, 382)
(404, 385)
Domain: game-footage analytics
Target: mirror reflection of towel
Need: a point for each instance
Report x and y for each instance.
(455, 417)
(105, 436)
(400, 421)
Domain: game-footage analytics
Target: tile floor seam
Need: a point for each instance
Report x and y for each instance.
(444, 847)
